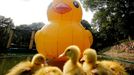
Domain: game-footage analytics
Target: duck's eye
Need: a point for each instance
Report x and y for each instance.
(76, 4)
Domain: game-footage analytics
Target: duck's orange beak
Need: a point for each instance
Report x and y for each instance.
(62, 8)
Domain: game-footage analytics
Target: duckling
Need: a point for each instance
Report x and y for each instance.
(38, 61)
(116, 67)
(27, 67)
(93, 67)
(72, 66)
(49, 70)
(23, 68)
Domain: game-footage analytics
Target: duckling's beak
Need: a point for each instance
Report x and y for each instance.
(61, 55)
(62, 8)
(82, 59)
(45, 63)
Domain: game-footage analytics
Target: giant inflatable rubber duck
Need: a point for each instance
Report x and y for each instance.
(63, 30)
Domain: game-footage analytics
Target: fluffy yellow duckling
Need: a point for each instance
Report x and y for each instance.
(93, 67)
(49, 70)
(38, 61)
(72, 66)
(27, 67)
(116, 67)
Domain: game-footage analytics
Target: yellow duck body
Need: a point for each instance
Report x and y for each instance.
(93, 67)
(73, 69)
(28, 67)
(72, 66)
(63, 30)
(116, 67)
(49, 70)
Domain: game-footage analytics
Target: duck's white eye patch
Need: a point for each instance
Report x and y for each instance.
(76, 4)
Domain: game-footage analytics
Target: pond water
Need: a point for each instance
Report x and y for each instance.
(7, 61)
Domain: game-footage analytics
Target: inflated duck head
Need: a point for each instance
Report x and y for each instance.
(64, 10)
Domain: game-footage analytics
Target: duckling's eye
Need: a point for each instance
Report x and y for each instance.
(68, 50)
(40, 59)
(76, 4)
(54, 71)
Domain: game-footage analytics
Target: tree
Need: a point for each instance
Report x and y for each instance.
(23, 32)
(111, 17)
(36, 26)
(6, 24)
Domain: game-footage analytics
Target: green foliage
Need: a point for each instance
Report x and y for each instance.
(93, 4)
(33, 26)
(6, 24)
(22, 34)
(111, 21)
